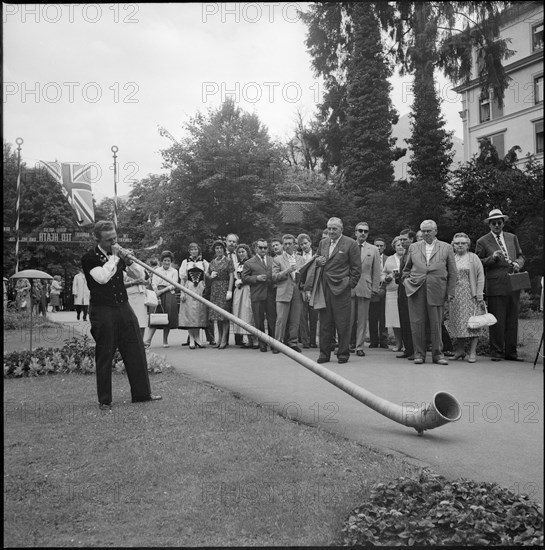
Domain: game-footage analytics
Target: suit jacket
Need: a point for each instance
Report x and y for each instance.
(343, 268)
(440, 273)
(285, 285)
(496, 283)
(252, 268)
(370, 272)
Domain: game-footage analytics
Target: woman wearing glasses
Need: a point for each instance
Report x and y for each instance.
(468, 297)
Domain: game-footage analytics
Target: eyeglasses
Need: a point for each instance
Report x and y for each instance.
(497, 222)
(263, 247)
(362, 230)
(461, 242)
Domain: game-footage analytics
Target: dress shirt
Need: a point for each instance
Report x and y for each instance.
(307, 256)
(170, 273)
(264, 259)
(102, 274)
(293, 261)
(429, 250)
(501, 242)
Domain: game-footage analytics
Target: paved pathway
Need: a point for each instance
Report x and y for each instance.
(499, 437)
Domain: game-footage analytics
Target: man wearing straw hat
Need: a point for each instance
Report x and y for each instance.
(501, 254)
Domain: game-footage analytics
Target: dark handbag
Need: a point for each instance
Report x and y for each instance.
(158, 320)
(518, 281)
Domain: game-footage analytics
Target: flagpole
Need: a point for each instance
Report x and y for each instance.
(115, 149)
(19, 142)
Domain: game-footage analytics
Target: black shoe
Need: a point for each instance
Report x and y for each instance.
(402, 356)
(410, 357)
(296, 348)
(448, 353)
(513, 358)
(105, 407)
(210, 342)
(495, 358)
(313, 345)
(360, 353)
(306, 346)
(373, 346)
(275, 350)
(263, 349)
(256, 346)
(322, 360)
(384, 346)
(342, 360)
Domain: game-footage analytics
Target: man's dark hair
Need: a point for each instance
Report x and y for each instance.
(409, 232)
(102, 226)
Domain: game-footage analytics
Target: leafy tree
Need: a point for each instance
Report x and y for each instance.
(224, 178)
(486, 182)
(42, 206)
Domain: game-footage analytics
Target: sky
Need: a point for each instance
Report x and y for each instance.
(81, 78)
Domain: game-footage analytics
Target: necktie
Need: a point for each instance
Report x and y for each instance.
(361, 252)
(292, 262)
(502, 248)
(332, 247)
(264, 261)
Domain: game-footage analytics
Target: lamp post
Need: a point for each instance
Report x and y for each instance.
(31, 274)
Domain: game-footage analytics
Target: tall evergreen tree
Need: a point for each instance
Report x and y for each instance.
(430, 143)
(367, 154)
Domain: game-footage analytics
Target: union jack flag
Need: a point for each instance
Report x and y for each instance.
(75, 182)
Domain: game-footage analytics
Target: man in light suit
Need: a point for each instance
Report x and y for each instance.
(429, 277)
(338, 261)
(289, 303)
(367, 285)
(501, 254)
(257, 273)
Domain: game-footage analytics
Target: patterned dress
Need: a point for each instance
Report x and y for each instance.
(167, 300)
(220, 285)
(242, 305)
(193, 314)
(462, 307)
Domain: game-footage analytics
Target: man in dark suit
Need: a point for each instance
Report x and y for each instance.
(309, 317)
(339, 263)
(407, 237)
(257, 273)
(501, 254)
(429, 277)
(378, 333)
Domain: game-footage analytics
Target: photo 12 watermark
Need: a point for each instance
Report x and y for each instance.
(70, 13)
(251, 12)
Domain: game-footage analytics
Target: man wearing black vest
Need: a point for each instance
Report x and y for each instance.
(114, 324)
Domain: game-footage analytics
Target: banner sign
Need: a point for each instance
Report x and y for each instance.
(60, 235)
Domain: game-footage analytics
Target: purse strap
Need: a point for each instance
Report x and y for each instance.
(159, 305)
(483, 303)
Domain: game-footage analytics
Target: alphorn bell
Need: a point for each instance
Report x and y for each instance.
(444, 408)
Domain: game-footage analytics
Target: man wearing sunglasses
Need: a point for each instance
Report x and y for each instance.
(257, 273)
(366, 288)
(501, 254)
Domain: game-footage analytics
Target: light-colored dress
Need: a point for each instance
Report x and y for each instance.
(55, 293)
(462, 306)
(242, 304)
(167, 300)
(137, 297)
(391, 310)
(193, 314)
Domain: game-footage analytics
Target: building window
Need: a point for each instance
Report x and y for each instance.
(537, 37)
(538, 131)
(498, 141)
(484, 107)
(538, 89)
(489, 108)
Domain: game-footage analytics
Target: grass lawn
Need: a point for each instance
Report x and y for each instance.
(199, 468)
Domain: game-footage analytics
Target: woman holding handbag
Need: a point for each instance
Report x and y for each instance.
(468, 298)
(167, 296)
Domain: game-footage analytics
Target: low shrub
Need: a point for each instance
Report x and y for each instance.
(431, 510)
(16, 320)
(76, 356)
(528, 306)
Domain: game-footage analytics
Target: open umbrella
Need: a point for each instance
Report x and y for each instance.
(31, 274)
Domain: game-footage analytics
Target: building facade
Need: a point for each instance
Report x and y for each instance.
(520, 120)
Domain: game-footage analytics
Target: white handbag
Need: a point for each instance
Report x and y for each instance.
(484, 320)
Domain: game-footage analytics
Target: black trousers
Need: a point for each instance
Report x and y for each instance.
(117, 328)
(265, 309)
(378, 333)
(405, 320)
(335, 315)
(504, 334)
(80, 308)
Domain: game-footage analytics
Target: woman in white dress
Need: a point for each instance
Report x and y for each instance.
(389, 272)
(193, 314)
(167, 296)
(136, 292)
(242, 305)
